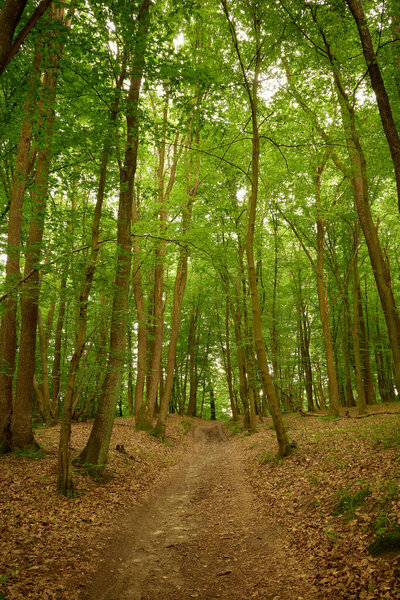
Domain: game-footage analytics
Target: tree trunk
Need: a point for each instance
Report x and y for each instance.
(180, 284)
(21, 423)
(130, 375)
(274, 330)
(141, 318)
(10, 15)
(191, 409)
(361, 197)
(357, 360)
(378, 85)
(212, 403)
(95, 453)
(8, 333)
(243, 388)
(146, 413)
(364, 349)
(228, 362)
(346, 328)
(45, 374)
(322, 301)
(56, 372)
(179, 290)
(64, 475)
(283, 442)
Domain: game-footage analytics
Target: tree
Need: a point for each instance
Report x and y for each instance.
(95, 453)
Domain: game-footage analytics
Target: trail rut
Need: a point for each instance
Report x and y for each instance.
(200, 536)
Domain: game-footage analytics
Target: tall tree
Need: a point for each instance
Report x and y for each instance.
(251, 88)
(95, 453)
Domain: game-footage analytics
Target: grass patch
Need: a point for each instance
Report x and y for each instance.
(269, 457)
(331, 418)
(387, 439)
(186, 426)
(235, 427)
(348, 502)
(29, 452)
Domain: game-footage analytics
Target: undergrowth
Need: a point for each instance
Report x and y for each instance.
(29, 452)
(348, 503)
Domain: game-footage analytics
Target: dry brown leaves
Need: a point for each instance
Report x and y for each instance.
(301, 492)
(49, 543)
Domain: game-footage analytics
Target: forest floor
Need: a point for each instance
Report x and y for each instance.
(208, 516)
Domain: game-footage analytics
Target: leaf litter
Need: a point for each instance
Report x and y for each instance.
(333, 496)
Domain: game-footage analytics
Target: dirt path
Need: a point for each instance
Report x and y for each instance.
(201, 537)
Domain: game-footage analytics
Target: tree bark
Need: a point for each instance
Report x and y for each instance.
(10, 16)
(9, 46)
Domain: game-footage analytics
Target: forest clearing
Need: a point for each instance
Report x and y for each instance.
(197, 517)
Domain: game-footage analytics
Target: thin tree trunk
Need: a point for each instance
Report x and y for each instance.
(243, 388)
(191, 409)
(364, 349)
(48, 326)
(130, 375)
(141, 317)
(158, 294)
(354, 330)
(249, 350)
(322, 301)
(346, 328)
(226, 352)
(274, 330)
(56, 372)
(320, 388)
(146, 412)
(304, 334)
(180, 284)
(45, 374)
(212, 403)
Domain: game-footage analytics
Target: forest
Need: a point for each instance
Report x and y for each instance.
(199, 208)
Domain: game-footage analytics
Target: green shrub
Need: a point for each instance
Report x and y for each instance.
(386, 542)
(29, 452)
